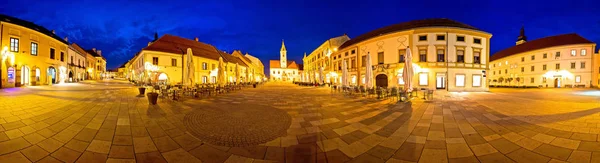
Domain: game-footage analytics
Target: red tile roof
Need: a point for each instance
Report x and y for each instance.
(546, 42)
(178, 45)
(438, 22)
(276, 64)
(78, 48)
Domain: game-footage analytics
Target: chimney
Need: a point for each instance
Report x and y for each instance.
(53, 32)
(66, 39)
(94, 49)
(196, 39)
(99, 52)
(155, 36)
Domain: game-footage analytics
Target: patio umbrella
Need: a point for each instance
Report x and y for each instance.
(237, 73)
(190, 67)
(344, 74)
(369, 72)
(221, 72)
(407, 73)
(321, 75)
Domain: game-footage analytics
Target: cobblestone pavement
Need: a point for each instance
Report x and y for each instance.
(105, 122)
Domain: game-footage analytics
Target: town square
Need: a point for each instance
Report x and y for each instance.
(299, 82)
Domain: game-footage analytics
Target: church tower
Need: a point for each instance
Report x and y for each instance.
(522, 38)
(282, 55)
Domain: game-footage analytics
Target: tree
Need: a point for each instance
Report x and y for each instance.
(501, 79)
(509, 80)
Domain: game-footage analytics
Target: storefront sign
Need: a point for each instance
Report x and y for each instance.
(557, 76)
(11, 75)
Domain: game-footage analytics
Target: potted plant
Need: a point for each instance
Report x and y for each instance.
(254, 84)
(152, 97)
(141, 89)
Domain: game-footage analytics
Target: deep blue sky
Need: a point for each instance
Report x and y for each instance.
(120, 29)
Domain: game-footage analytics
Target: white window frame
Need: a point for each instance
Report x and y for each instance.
(423, 79)
(573, 52)
(578, 79)
(583, 52)
(475, 82)
(457, 80)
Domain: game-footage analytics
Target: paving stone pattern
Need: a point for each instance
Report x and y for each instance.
(105, 122)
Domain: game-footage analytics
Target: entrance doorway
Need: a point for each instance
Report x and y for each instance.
(556, 83)
(52, 74)
(70, 76)
(440, 81)
(25, 75)
(381, 80)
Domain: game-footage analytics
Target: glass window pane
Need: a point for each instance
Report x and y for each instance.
(423, 78)
(460, 80)
(476, 80)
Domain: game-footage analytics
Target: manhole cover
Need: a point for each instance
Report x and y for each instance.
(237, 125)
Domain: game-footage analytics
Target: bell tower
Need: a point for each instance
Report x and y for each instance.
(283, 55)
(522, 38)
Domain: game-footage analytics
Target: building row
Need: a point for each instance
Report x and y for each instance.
(164, 60)
(453, 56)
(34, 55)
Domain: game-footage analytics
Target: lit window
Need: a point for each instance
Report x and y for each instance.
(423, 78)
(476, 80)
(573, 52)
(204, 79)
(34, 48)
(204, 66)
(583, 52)
(578, 79)
(460, 80)
(14, 44)
(400, 79)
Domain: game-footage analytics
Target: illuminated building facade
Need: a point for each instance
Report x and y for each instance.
(559, 61)
(283, 69)
(31, 54)
(76, 63)
(446, 55)
(321, 58)
(162, 61)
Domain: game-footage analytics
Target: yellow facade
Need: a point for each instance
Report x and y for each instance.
(32, 63)
(321, 57)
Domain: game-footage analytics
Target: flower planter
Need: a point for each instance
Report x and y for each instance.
(152, 98)
(142, 91)
(254, 85)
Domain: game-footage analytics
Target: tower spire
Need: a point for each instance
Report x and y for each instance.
(522, 38)
(282, 46)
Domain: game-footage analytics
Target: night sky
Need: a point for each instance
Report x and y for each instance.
(120, 29)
